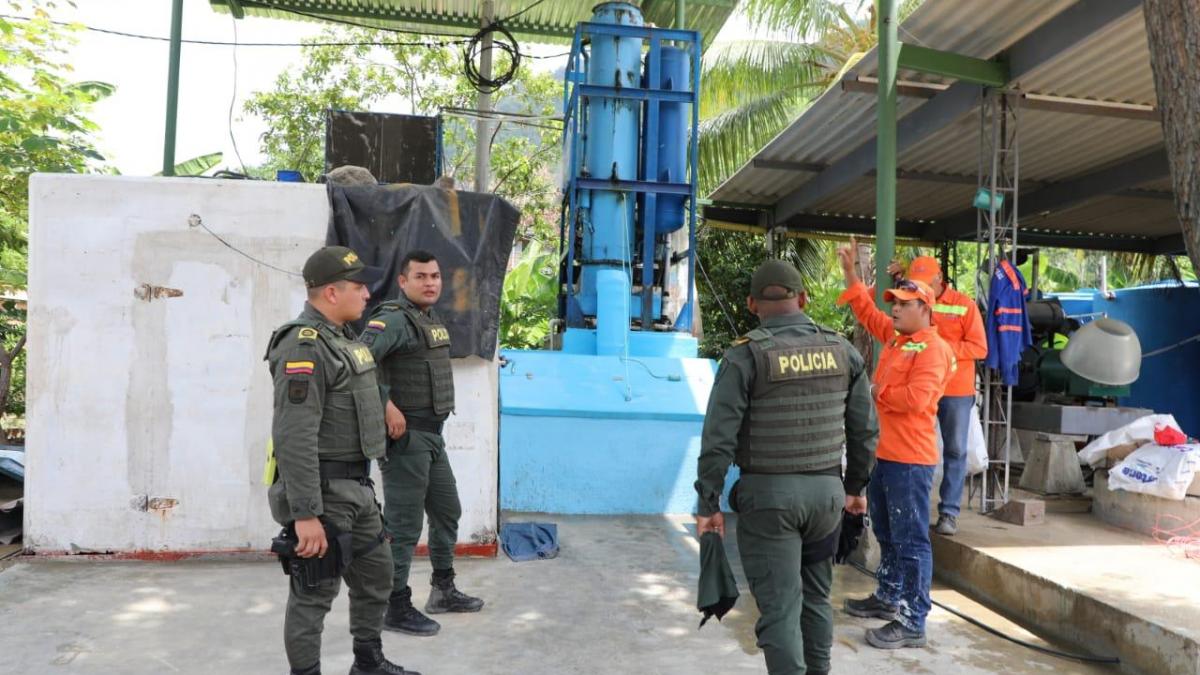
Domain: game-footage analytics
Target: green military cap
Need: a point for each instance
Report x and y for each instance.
(776, 273)
(336, 263)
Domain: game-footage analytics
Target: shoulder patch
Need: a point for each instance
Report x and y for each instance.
(299, 367)
(307, 333)
(376, 325)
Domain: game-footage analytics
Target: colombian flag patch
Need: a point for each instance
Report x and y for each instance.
(299, 367)
(376, 325)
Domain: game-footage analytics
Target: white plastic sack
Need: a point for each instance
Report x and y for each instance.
(1162, 471)
(976, 445)
(977, 455)
(1095, 453)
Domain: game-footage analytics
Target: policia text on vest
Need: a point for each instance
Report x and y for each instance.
(787, 398)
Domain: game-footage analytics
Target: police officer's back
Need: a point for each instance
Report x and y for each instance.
(328, 425)
(787, 397)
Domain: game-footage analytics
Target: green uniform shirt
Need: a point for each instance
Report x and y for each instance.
(730, 400)
(392, 332)
(304, 369)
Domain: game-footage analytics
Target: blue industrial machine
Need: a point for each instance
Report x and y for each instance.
(611, 422)
(631, 112)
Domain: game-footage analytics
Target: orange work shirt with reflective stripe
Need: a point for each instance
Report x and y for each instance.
(958, 323)
(910, 379)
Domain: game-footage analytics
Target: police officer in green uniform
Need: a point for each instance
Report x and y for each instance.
(412, 347)
(787, 398)
(328, 426)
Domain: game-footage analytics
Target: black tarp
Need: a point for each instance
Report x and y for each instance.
(470, 233)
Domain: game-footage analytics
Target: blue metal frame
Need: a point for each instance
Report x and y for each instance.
(575, 88)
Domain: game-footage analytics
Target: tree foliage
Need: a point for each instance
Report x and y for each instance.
(43, 127)
(421, 80)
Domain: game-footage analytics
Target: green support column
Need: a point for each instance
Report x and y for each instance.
(885, 148)
(173, 88)
(680, 13)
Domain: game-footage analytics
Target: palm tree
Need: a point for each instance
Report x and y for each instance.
(754, 88)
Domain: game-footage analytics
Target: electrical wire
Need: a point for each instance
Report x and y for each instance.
(233, 98)
(1000, 634)
(510, 17)
(474, 50)
(717, 296)
(243, 253)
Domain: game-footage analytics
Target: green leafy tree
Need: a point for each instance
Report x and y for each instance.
(43, 127)
(429, 80)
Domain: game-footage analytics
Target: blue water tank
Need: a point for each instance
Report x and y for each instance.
(671, 152)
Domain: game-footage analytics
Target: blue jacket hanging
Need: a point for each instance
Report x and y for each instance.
(1008, 329)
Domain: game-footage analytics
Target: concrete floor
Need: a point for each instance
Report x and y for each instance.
(619, 599)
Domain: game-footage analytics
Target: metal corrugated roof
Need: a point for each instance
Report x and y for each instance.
(1110, 64)
(548, 21)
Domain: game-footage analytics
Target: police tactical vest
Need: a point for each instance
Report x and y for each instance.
(796, 420)
(422, 379)
(352, 417)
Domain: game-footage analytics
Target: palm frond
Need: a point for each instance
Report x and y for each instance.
(801, 19)
(739, 72)
(728, 140)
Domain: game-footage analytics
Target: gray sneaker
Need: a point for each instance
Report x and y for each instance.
(946, 525)
(894, 636)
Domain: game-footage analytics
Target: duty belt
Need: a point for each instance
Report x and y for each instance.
(428, 426)
(331, 470)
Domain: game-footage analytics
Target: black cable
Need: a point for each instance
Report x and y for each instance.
(998, 633)
(513, 16)
(733, 331)
(473, 50)
(246, 255)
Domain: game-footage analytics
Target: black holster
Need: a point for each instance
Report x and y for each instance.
(310, 572)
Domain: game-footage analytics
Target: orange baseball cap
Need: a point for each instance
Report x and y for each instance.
(911, 289)
(924, 269)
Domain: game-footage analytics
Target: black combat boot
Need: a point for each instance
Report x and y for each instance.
(402, 617)
(369, 660)
(444, 597)
(314, 669)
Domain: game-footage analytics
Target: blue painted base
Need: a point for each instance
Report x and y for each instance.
(600, 435)
(675, 345)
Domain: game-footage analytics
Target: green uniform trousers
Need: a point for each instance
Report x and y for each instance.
(351, 507)
(418, 481)
(778, 516)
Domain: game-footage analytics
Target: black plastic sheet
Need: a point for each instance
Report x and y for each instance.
(470, 233)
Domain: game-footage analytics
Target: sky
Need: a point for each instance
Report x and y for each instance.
(132, 120)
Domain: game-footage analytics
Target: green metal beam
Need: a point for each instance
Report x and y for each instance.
(680, 14)
(954, 66)
(235, 8)
(885, 146)
(173, 88)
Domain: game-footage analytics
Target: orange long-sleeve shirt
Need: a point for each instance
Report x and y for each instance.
(910, 379)
(960, 325)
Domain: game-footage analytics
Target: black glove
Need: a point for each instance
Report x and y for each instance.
(853, 527)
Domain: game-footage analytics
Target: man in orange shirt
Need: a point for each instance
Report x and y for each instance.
(913, 371)
(958, 322)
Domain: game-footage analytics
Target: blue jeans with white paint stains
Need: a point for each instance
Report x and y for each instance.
(954, 418)
(898, 499)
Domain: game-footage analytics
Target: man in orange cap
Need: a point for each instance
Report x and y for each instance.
(913, 371)
(958, 322)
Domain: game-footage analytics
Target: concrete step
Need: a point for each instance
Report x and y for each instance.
(1077, 580)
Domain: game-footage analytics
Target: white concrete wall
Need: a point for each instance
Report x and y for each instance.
(168, 400)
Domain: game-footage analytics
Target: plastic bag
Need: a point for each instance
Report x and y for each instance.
(977, 455)
(1142, 430)
(1165, 435)
(1160, 470)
